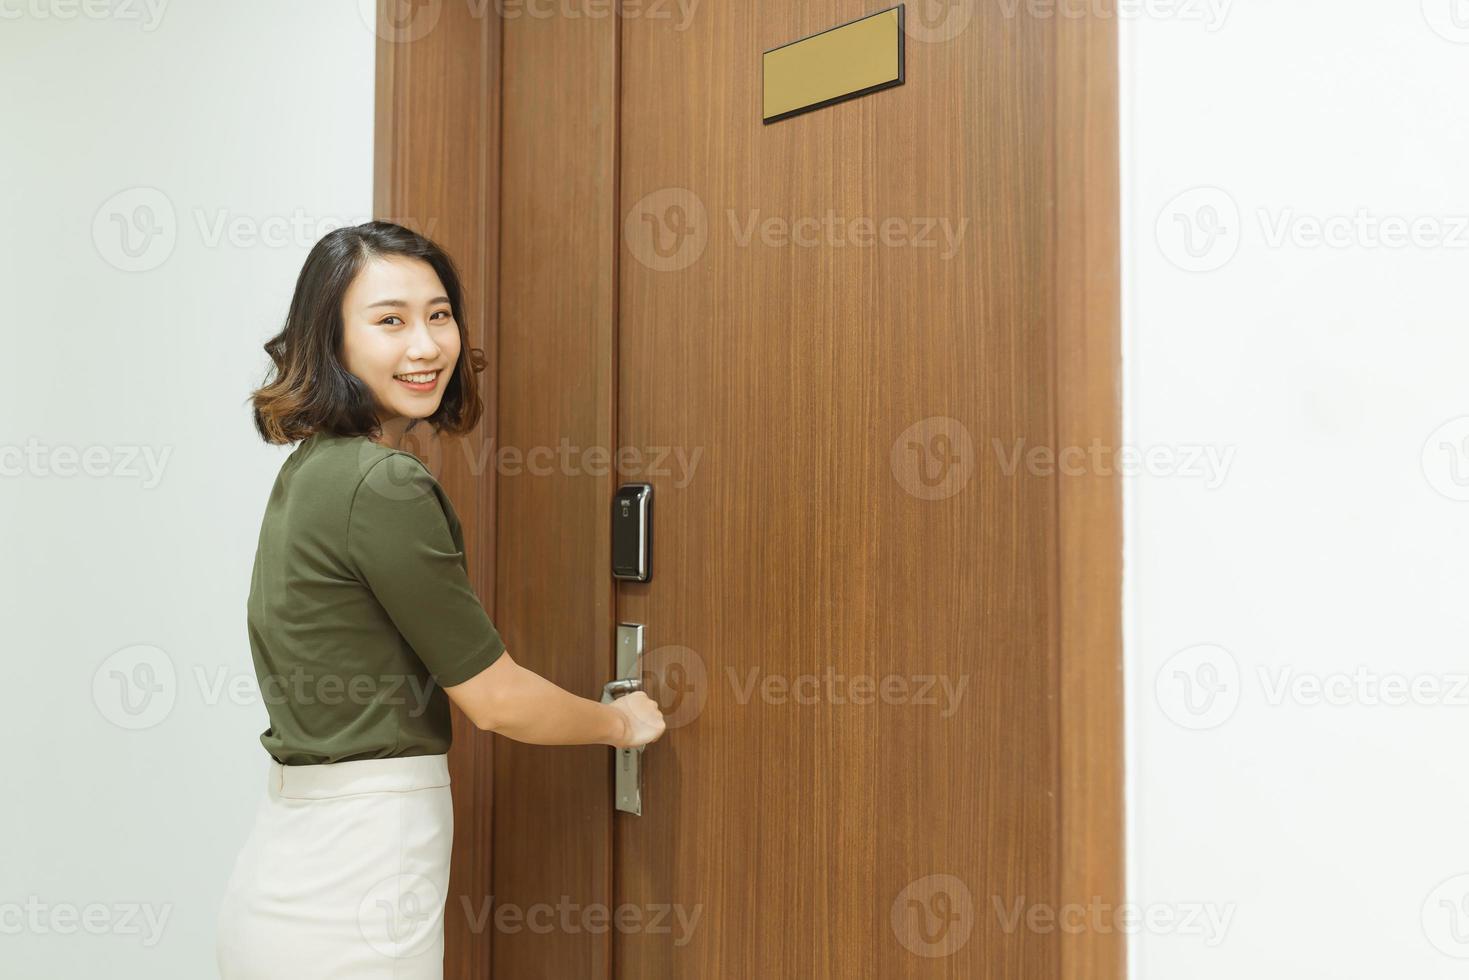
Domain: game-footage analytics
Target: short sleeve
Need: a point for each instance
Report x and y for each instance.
(400, 543)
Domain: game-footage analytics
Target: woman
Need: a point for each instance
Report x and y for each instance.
(363, 626)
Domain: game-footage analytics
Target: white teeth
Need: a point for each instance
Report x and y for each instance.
(418, 378)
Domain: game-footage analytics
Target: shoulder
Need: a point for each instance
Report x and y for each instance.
(349, 463)
(391, 480)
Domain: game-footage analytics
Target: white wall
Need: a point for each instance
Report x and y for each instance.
(1331, 826)
(171, 117)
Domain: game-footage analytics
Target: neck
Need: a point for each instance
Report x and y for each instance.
(392, 432)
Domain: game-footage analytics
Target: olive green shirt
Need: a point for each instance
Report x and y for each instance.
(361, 610)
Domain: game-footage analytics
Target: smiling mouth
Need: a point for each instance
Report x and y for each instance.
(419, 380)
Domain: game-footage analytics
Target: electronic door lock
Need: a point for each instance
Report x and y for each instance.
(632, 532)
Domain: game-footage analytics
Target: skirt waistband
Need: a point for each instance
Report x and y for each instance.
(396, 775)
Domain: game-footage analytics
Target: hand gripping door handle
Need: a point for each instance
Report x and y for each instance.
(617, 688)
(627, 763)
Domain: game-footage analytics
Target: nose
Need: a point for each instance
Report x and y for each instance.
(421, 345)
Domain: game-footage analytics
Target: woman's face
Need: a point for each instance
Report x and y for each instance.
(399, 336)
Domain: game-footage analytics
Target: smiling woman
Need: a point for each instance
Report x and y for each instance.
(364, 627)
(383, 302)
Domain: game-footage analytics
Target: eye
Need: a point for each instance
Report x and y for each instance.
(446, 314)
(390, 316)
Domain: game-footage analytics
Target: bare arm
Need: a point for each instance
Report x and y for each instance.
(521, 704)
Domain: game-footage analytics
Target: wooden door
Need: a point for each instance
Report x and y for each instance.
(850, 610)
(889, 653)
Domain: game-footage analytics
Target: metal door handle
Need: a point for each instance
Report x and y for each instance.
(617, 688)
(627, 763)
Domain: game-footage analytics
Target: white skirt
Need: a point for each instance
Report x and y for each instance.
(344, 874)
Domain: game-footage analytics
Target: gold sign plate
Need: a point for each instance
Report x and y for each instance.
(840, 63)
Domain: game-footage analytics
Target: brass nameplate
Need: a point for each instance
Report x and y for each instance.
(840, 63)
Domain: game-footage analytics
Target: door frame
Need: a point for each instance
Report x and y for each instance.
(454, 197)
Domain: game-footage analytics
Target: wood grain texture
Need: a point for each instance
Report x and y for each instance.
(441, 91)
(557, 303)
(1089, 513)
(798, 548)
(793, 830)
